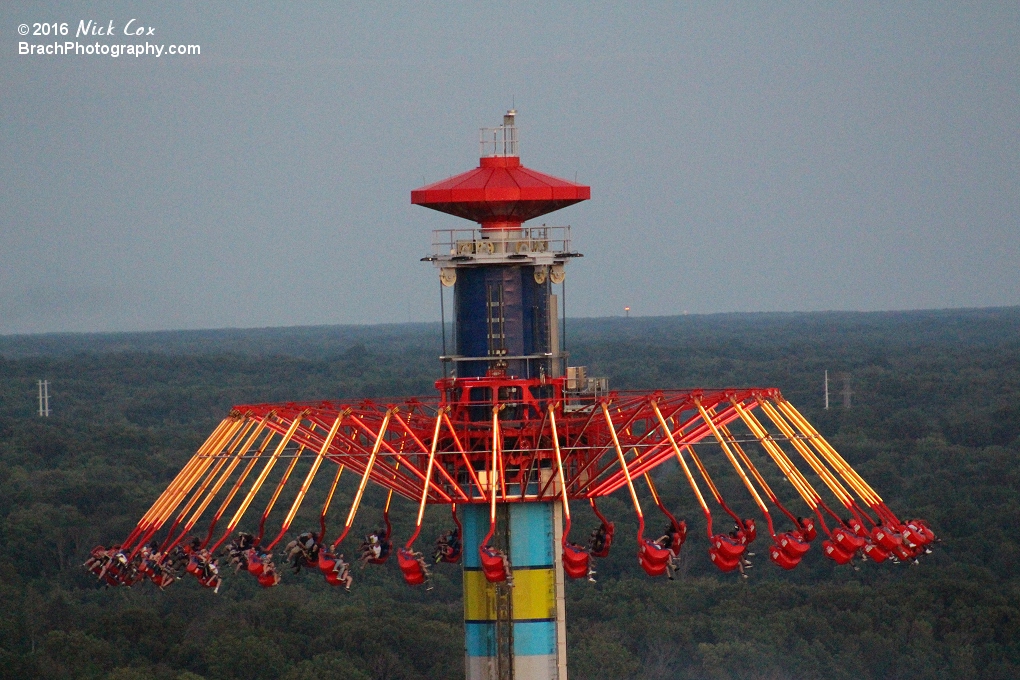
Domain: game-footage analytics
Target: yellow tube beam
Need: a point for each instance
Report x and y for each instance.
(729, 454)
(283, 481)
(746, 460)
(827, 477)
(780, 458)
(332, 489)
(651, 487)
(623, 462)
(495, 464)
(196, 475)
(428, 468)
(247, 468)
(185, 471)
(307, 483)
(559, 461)
(704, 474)
(368, 470)
(680, 458)
(463, 455)
(186, 479)
(232, 456)
(266, 469)
(829, 453)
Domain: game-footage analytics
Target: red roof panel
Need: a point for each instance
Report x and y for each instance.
(500, 190)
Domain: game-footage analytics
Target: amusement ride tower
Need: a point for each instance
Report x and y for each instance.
(507, 344)
(511, 438)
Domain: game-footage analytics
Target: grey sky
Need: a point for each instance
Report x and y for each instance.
(741, 157)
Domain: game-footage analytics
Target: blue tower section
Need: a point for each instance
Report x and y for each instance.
(503, 312)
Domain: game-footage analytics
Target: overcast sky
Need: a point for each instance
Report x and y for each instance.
(742, 157)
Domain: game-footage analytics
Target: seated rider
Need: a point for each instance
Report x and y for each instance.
(597, 540)
(342, 570)
(208, 573)
(666, 540)
(212, 571)
(739, 537)
(97, 560)
(496, 552)
(426, 572)
(448, 545)
(176, 561)
(420, 558)
(384, 543)
(238, 550)
(116, 558)
(269, 576)
(302, 551)
(443, 548)
(370, 548)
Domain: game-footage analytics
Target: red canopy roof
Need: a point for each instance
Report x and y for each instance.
(500, 193)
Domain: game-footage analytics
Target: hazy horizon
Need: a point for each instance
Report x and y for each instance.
(581, 319)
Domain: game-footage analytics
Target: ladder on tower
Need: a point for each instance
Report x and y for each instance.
(504, 607)
(504, 632)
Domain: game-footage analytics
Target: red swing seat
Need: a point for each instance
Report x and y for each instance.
(781, 558)
(725, 563)
(610, 529)
(792, 544)
(492, 564)
(385, 542)
(411, 568)
(384, 552)
(193, 567)
(255, 566)
(750, 530)
(208, 582)
(875, 553)
(452, 557)
(728, 547)
(847, 541)
(905, 554)
(858, 528)
(836, 553)
(327, 565)
(163, 580)
(653, 557)
(575, 560)
(807, 529)
(889, 539)
(914, 535)
(922, 528)
(327, 561)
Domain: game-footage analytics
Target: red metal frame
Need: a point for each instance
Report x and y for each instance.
(460, 428)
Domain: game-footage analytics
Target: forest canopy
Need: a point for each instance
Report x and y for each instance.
(933, 423)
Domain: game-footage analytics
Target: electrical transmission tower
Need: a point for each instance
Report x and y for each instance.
(44, 398)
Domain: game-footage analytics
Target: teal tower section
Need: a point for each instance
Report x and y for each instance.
(515, 629)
